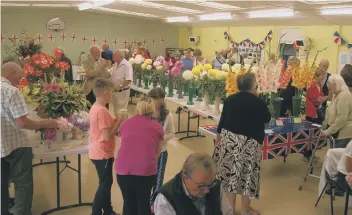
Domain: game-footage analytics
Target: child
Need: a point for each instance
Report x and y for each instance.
(164, 117)
(103, 129)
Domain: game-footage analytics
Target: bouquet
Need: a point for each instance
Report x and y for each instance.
(50, 134)
(231, 79)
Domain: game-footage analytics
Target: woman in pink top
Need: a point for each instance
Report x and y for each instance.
(136, 161)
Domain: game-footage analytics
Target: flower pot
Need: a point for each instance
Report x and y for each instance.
(171, 89)
(199, 98)
(217, 105)
(146, 82)
(205, 105)
(139, 80)
(190, 95)
(186, 87)
(179, 90)
(296, 106)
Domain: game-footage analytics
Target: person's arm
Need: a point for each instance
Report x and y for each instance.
(349, 164)
(343, 103)
(90, 71)
(169, 128)
(162, 206)
(109, 127)
(19, 111)
(313, 97)
(221, 122)
(226, 208)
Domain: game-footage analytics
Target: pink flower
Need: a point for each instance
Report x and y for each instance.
(28, 69)
(175, 71)
(39, 73)
(52, 88)
(57, 53)
(50, 134)
(64, 65)
(179, 64)
(36, 58)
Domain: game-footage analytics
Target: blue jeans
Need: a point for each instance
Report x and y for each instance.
(18, 166)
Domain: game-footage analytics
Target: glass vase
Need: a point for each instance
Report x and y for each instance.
(296, 106)
(163, 84)
(200, 97)
(146, 82)
(206, 102)
(190, 95)
(275, 108)
(139, 80)
(179, 90)
(185, 89)
(170, 88)
(155, 83)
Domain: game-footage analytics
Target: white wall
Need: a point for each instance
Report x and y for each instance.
(88, 24)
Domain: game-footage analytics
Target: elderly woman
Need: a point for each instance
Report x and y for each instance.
(238, 150)
(346, 74)
(218, 60)
(136, 161)
(339, 113)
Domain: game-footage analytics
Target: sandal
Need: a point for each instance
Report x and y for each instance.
(252, 212)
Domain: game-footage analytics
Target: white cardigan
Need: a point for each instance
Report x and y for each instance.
(169, 131)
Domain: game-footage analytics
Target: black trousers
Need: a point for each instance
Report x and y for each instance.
(136, 192)
(91, 98)
(102, 199)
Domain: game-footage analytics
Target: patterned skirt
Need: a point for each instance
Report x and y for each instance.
(238, 159)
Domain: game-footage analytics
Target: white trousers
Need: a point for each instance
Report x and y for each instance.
(120, 101)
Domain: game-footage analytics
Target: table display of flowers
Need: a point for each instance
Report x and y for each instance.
(137, 70)
(146, 71)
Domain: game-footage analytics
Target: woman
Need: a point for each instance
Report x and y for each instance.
(314, 99)
(218, 61)
(164, 117)
(339, 113)
(136, 161)
(198, 58)
(238, 150)
(346, 74)
(235, 57)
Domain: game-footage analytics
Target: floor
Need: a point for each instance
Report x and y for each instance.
(279, 182)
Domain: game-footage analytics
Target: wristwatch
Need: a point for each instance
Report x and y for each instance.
(121, 86)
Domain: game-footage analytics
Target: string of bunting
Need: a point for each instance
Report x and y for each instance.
(338, 40)
(247, 42)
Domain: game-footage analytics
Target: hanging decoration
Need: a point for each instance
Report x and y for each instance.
(115, 42)
(105, 40)
(2, 38)
(39, 37)
(260, 45)
(349, 46)
(63, 36)
(14, 38)
(94, 40)
(163, 40)
(338, 39)
(144, 42)
(73, 37)
(269, 36)
(84, 39)
(247, 42)
(125, 42)
(51, 38)
(153, 41)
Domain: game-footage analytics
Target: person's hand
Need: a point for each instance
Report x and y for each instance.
(324, 133)
(103, 63)
(117, 89)
(52, 123)
(218, 139)
(122, 116)
(288, 113)
(321, 99)
(349, 179)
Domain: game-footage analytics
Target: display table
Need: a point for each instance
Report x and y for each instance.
(282, 140)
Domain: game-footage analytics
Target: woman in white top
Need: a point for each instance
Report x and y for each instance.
(165, 118)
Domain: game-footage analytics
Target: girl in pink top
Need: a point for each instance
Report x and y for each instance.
(136, 160)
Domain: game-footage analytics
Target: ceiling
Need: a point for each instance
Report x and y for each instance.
(307, 12)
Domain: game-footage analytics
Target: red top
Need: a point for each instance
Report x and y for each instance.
(313, 93)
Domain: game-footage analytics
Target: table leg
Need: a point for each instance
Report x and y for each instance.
(348, 193)
(58, 181)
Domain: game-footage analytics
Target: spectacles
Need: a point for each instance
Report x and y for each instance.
(202, 187)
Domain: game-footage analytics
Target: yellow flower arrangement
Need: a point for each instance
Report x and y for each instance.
(36, 91)
(148, 61)
(144, 66)
(208, 66)
(221, 75)
(231, 79)
(212, 73)
(197, 70)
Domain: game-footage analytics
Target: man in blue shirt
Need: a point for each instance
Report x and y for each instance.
(107, 54)
(187, 60)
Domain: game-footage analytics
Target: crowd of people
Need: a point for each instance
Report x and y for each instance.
(205, 184)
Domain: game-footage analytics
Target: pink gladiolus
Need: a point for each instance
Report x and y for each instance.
(175, 71)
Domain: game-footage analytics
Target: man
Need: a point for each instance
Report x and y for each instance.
(107, 54)
(68, 73)
(193, 191)
(95, 67)
(235, 57)
(16, 151)
(324, 66)
(122, 76)
(187, 60)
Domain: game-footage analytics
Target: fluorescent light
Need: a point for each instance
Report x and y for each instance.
(336, 11)
(271, 14)
(215, 16)
(99, 3)
(161, 6)
(216, 5)
(323, 1)
(85, 6)
(125, 12)
(14, 5)
(178, 19)
(51, 5)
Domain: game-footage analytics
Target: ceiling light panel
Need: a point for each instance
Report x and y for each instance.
(51, 5)
(125, 12)
(210, 4)
(178, 19)
(161, 6)
(324, 1)
(215, 16)
(271, 14)
(14, 5)
(336, 11)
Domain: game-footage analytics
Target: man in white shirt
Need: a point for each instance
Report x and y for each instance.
(122, 76)
(16, 151)
(194, 190)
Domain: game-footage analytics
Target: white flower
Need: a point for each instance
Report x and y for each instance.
(225, 67)
(236, 67)
(187, 75)
(227, 60)
(246, 66)
(156, 63)
(131, 60)
(149, 67)
(138, 59)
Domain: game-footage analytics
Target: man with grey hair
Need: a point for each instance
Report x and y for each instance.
(16, 151)
(324, 66)
(94, 67)
(68, 73)
(122, 76)
(194, 190)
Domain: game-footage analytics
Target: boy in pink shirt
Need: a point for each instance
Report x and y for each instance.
(102, 144)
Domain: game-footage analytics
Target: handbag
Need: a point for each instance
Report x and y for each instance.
(320, 110)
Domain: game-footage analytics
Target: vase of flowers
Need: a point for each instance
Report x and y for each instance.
(186, 88)
(199, 97)
(217, 105)
(163, 83)
(170, 88)
(139, 80)
(146, 82)
(206, 101)
(135, 78)
(296, 105)
(191, 91)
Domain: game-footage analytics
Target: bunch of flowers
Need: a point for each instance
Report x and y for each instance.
(286, 75)
(169, 62)
(50, 134)
(176, 69)
(188, 75)
(31, 92)
(136, 63)
(231, 79)
(147, 67)
(268, 77)
(25, 46)
(80, 120)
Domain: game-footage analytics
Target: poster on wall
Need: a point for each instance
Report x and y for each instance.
(174, 52)
(344, 58)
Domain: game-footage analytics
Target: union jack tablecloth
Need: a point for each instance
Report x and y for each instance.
(283, 140)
